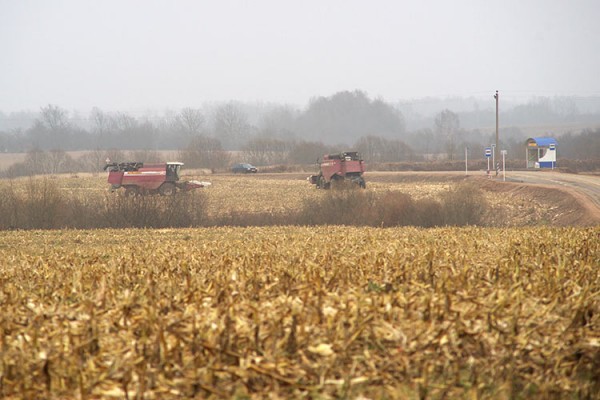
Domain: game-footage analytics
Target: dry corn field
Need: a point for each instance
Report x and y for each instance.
(292, 312)
(279, 193)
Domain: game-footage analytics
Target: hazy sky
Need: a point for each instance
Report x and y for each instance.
(119, 54)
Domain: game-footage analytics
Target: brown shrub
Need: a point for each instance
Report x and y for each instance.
(42, 205)
(463, 204)
(10, 206)
(39, 204)
(428, 213)
(349, 205)
(181, 210)
(344, 206)
(396, 208)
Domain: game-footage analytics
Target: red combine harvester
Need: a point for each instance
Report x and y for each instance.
(346, 166)
(140, 179)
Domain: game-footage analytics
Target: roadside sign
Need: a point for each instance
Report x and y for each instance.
(488, 152)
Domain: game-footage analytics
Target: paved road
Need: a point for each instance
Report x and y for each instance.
(585, 184)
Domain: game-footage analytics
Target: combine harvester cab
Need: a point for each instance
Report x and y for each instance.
(151, 178)
(345, 166)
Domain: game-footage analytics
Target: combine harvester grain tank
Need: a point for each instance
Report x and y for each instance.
(139, 178)
(339, 167)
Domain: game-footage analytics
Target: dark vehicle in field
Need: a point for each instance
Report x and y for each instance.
(145, 178)
(345, 166)
(244, 168)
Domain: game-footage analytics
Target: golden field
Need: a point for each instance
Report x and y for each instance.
(300, 312)
(280, 193)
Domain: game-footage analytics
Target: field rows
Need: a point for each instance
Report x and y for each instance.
(284, 193)
(300, 312)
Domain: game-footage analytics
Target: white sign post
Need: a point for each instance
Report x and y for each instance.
(488, 154)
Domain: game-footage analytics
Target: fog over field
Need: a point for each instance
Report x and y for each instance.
(134, 55)
(414, 79)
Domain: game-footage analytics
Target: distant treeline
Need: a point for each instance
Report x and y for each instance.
(277, 134)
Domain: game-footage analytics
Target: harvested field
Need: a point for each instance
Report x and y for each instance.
(284, 313)
(278, 194)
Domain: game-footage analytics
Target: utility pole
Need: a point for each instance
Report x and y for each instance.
(497, 144)
(493, 146)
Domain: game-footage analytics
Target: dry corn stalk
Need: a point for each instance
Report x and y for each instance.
(292, 312)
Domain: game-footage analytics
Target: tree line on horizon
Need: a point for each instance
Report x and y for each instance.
(280, 134)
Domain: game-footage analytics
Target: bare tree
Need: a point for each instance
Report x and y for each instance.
(93, 161)
(54, 117)
(114, 155)
(124, 122)
(102, 123)
(378, 149)
(266, 151)
(371, 147)
(36, 162)
(231, 125)
(189, 121)
(50, 128)
(205, 152)
(58, 161)
(446, 125)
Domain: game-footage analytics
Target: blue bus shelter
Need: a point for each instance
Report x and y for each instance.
(541, 152)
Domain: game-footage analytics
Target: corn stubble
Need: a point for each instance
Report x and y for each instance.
(327, 312)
